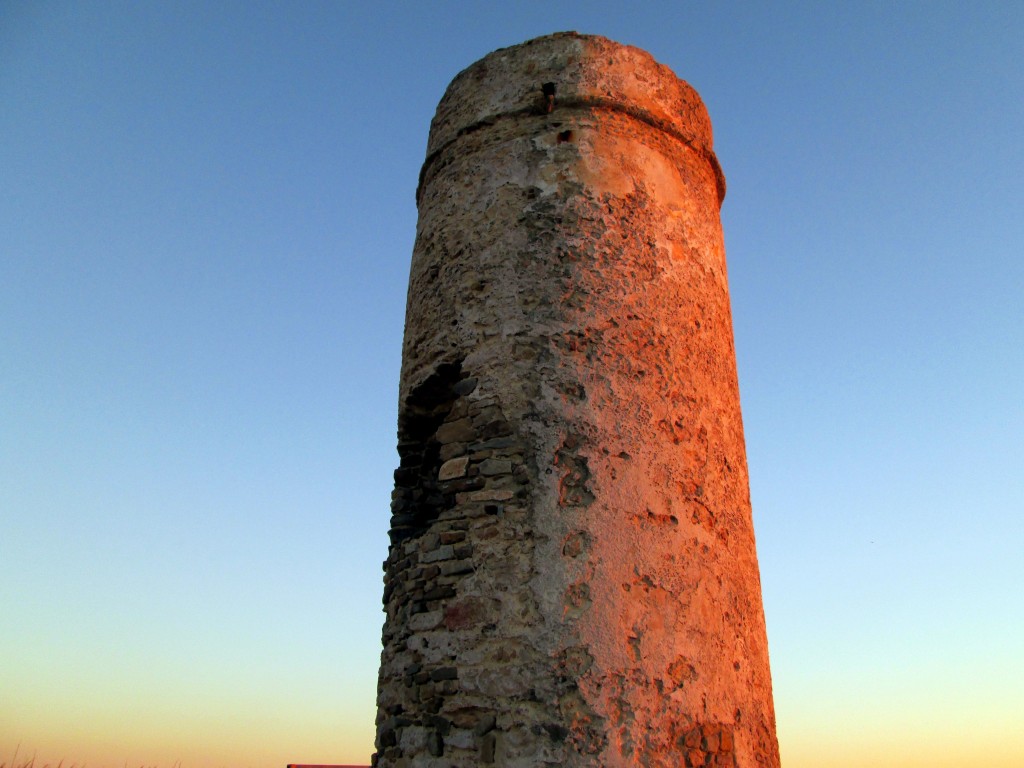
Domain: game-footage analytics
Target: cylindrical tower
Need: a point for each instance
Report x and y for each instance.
(572, 578)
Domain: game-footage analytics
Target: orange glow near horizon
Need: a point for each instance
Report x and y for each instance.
(170, 735)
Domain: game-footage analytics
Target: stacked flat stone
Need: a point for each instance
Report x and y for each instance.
(572, 578)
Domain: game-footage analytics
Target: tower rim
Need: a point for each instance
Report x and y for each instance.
(591, 72)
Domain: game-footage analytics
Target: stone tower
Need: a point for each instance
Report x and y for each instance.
(572, 578)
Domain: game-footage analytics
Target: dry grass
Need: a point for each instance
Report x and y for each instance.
(31, 763)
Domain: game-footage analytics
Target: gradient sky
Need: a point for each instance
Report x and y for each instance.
(206, 220)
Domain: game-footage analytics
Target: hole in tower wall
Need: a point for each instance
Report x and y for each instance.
(564, 136)
(548, 94)
(418, 500)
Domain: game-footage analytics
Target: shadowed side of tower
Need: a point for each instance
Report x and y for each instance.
(572, 578)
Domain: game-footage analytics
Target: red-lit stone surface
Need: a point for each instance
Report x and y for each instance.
(572, 579)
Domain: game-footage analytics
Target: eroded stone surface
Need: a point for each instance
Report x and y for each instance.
(572, 578)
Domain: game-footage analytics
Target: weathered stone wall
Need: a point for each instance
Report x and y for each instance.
(572, 578)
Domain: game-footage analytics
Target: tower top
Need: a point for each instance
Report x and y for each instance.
(565, 71)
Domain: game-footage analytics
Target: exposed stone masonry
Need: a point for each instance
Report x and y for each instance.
(461, 545)
(572, 578)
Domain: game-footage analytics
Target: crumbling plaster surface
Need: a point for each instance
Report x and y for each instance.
(572, 578)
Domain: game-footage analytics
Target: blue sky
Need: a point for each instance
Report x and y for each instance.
(206, 219)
